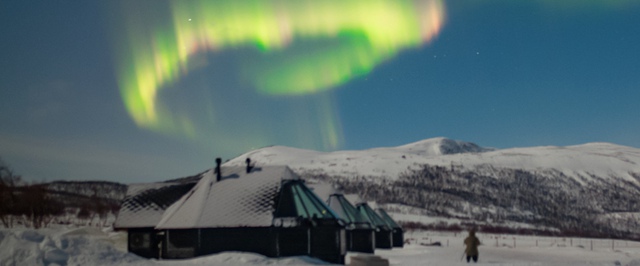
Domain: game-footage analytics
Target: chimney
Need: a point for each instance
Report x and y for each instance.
(218, 174)
(249, 167)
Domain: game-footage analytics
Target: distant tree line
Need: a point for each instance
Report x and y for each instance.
(25, 203)
(38, 205)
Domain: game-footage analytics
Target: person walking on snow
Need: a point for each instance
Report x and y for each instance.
(472, 243)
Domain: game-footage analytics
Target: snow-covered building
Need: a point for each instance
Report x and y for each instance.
(267, 210)
(396, 229)
(384, 233)
(360, 232)
(141, 211)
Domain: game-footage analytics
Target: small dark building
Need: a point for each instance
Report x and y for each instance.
(141, 211)
(360, 233)
(266, 210)
(384, 236)
(398, 233)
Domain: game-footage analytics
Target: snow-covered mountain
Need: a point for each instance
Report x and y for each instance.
(593, 187)
(379, 162)
(579, 162)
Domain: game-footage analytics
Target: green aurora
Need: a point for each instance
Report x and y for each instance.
(300, 48)
(356, 36)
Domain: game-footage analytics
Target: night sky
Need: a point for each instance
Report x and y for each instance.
(137, 91)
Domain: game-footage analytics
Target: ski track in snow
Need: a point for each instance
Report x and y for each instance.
(91, 246)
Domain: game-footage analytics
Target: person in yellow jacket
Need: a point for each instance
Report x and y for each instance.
(472, 243)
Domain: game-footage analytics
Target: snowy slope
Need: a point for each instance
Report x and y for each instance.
(580, 162)
(590, 189)
(383, 162)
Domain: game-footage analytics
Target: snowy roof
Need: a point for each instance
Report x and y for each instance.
(144, 204)
(271, 195)
(240, 199)
(385, 216)
(345, 209)
(371, 215)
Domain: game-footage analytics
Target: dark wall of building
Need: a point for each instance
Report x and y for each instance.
(361, 240)
(180, 244)
(143, 242)
(384, 238)
(324, 242)
(293, 241)
(398, 237)
(329, 244)
(259, 240)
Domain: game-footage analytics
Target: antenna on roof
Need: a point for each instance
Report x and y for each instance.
(249, 166)
(218, 174)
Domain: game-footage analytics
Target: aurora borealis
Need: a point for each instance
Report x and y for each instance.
(356, 36)
(142, 90)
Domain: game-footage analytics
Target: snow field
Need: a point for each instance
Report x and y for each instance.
(92, 246)
(89, 246)
(513, 250)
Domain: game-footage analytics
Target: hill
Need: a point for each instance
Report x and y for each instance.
(591, 189)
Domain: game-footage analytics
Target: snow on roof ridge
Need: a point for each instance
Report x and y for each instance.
(238, 200)
(173, 209)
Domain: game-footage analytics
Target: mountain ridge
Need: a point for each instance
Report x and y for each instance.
(590, 189)
(576, 161)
